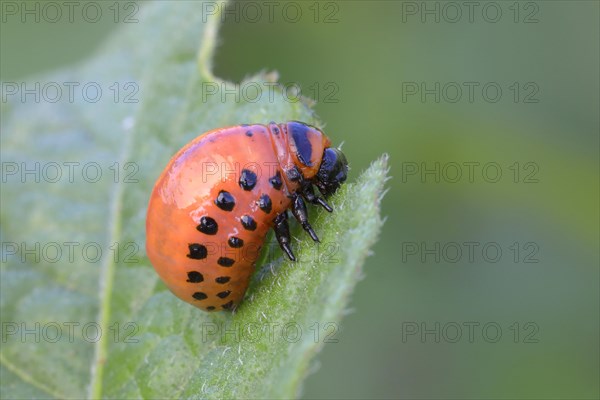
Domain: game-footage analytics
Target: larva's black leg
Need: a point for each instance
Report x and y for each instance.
(320, 201)
(301, 213)
(282, 233)
(307, 191)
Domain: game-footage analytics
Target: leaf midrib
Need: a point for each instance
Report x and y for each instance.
(107, 273)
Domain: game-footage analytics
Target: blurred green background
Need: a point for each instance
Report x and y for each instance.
(367, 63)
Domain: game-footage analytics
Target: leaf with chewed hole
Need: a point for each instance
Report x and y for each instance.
(84, 315)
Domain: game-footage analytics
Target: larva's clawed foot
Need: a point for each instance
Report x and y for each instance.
(320, 201)
(307, 191)
(288, 251)
(282, 233)
(301, 213)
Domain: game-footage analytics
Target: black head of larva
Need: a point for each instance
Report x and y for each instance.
(310, 146)
(332, 172)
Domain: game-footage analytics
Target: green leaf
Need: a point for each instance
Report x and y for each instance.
(94, 320)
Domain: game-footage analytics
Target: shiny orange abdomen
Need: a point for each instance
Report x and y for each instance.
(213, 205)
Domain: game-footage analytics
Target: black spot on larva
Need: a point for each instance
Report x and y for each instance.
(249, 133)
(276, 130)
(210, 308)
(208, 226)
(248, 223)
(276, 181)
(224, 294)
(264, 203)
(225, 261)
(247, 179)
(228, 306)
(235, 242)
(197, 251)
(222, 279)
(195, 277)
(299, 134)
(199, 296)
(225, 201)
(293, 174)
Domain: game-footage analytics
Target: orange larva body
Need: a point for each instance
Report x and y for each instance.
(214, 203)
